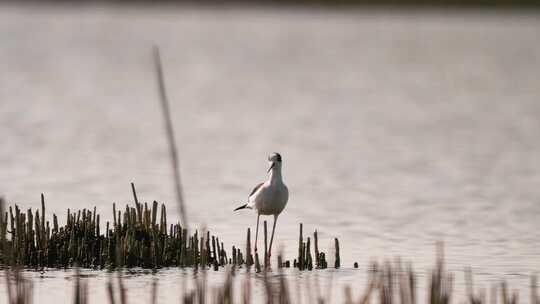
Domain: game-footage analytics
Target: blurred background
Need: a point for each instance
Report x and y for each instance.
(399, 125)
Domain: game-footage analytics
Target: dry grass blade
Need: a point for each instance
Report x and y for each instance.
(170, 136)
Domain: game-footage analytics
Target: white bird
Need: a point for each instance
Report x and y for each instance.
(270, 197)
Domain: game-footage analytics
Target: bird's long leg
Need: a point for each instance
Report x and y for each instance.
(272, 238)
(257, 232)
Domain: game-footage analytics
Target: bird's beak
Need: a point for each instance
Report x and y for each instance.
(272, 166)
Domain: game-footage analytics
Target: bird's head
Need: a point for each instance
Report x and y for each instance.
(274, 159)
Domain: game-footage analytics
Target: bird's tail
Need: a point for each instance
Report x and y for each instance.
(241, 207)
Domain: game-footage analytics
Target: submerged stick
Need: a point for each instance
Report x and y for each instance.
(170, 136)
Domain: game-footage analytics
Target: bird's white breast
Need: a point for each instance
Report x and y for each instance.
(270, 198)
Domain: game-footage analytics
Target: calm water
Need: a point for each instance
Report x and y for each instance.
(397, 129)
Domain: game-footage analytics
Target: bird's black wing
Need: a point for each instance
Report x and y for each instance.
(255, 189)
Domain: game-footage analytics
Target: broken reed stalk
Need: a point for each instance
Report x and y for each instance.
(316, 245)
(305, 258)
(309, 261)
(257, 263)
(440, 283)
(3, 231)
(473, 297)
(337, 263)
(300, 250)
(249, 257)
(170, 136)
